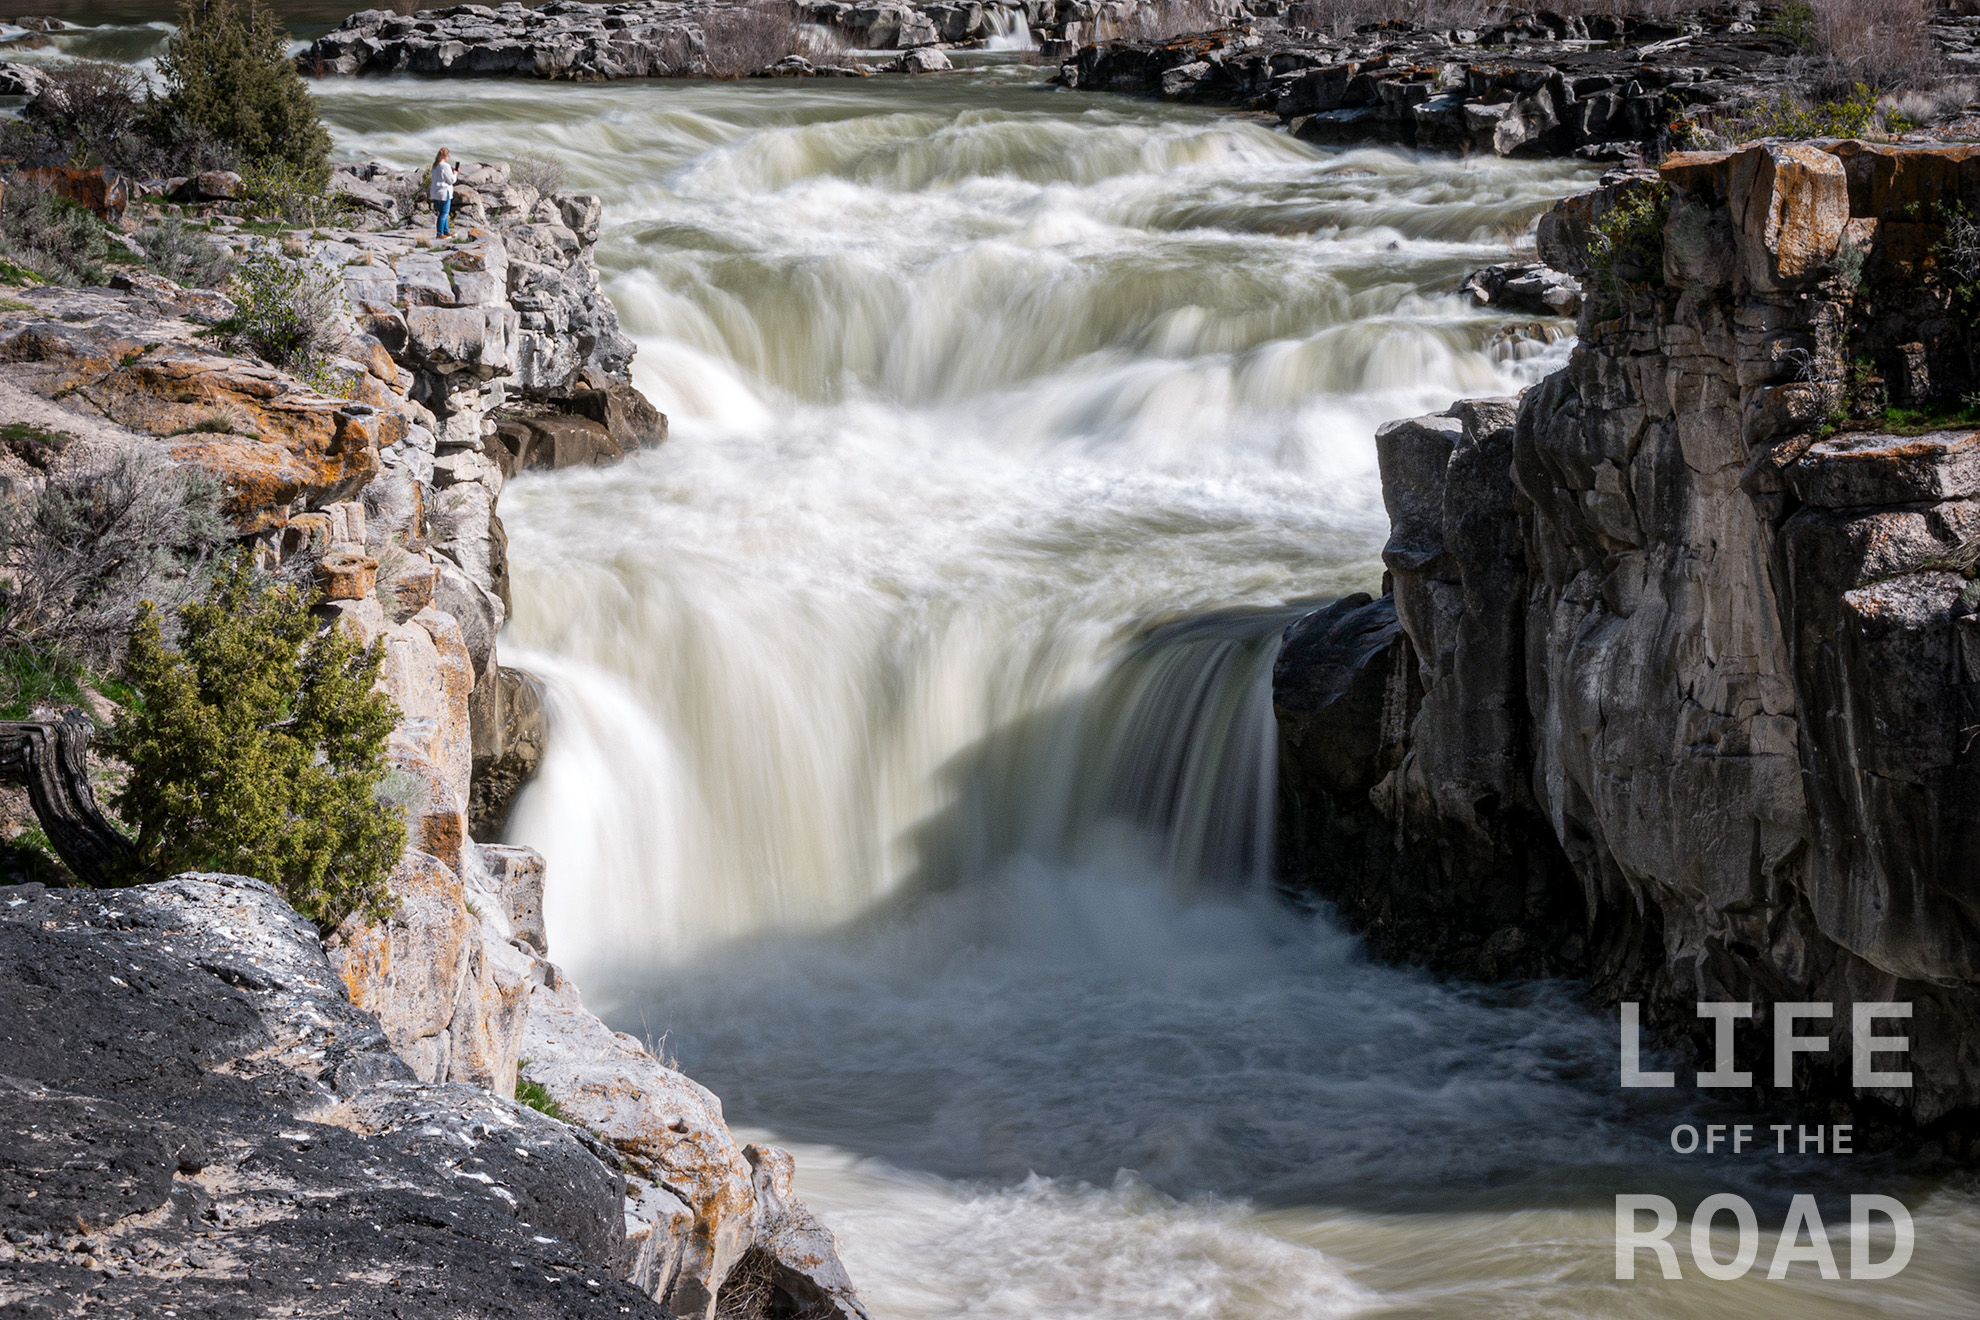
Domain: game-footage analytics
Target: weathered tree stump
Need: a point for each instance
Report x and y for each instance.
(50, 758)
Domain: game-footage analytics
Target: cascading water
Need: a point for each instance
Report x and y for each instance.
(1009, 29)
(911, 764)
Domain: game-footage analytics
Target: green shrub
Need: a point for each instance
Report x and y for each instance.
(1796, 21)
(535, 1096)
(257, 747)
(1627, 247)
(287, 311)
(227, 76)
(277, 191)
(1855, 115)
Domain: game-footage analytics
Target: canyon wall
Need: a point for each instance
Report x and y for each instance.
(1673, 685)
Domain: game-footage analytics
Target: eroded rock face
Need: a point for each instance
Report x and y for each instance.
(669, 1131)
(193, 1118)
(1724, 663)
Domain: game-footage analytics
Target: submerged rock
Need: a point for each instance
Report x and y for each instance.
(1529, 287)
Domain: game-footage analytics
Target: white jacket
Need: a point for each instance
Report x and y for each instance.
(443, 182)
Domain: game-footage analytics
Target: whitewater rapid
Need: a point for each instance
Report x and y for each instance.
(910, 773)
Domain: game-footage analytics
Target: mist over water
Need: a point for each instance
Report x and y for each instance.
(911, 759)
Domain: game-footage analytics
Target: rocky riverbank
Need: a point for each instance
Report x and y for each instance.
(463, 362)
(1673, 685)
(672, 38)
(1605, 87)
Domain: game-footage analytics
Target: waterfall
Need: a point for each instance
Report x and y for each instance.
(1171, 756)
(1008, 28)
(911, 749)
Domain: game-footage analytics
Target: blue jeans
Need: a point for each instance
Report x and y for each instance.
(441, 209)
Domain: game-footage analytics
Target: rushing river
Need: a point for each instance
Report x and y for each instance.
(910, 776)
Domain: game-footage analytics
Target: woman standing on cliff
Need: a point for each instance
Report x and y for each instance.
(442, 191)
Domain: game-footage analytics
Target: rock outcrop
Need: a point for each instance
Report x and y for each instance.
(1606, 87)
(410, 1030)
(194, 1119)
(1677, 672)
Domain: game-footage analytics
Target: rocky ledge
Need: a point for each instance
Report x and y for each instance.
(195, 1120)
(1605, 87)
(1674, 682)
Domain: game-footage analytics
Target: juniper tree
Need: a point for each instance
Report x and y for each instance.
(227, 75)
(257, 748)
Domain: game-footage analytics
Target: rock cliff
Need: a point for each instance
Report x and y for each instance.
(466, 361)
(1674, 684)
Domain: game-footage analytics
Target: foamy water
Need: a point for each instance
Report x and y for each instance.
(879, 789)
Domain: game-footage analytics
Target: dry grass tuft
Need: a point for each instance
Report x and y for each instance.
(1882, 43)
(746, 37)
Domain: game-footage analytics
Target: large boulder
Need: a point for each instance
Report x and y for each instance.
(446, 340)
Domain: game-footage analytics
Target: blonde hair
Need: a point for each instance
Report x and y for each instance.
(442, 156)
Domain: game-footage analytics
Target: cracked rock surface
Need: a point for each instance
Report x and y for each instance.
(194, 1119)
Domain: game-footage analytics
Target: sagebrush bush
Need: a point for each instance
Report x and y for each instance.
(96, 113)
(185, 255)
(84, 552)
(227, 74)
(534, 169)
(51, 237)
(289, 311)
(1959, 250)
(1158, 20)
(93, 113)
(1883, 43)
(257, 748)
